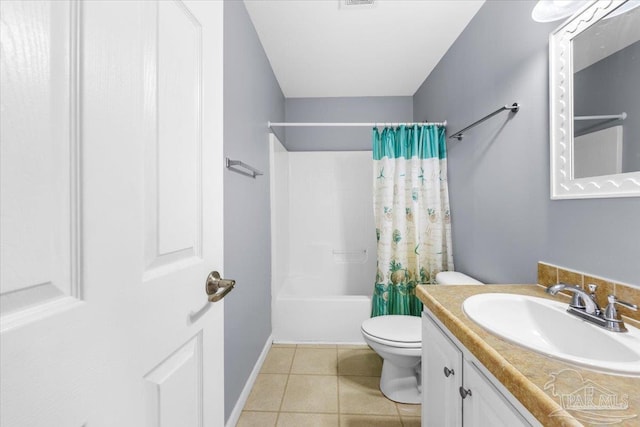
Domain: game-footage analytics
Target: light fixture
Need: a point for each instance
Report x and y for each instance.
(553, 10)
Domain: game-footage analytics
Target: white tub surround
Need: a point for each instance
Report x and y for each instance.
(323, 244)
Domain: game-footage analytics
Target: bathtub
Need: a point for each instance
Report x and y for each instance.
(308, 312)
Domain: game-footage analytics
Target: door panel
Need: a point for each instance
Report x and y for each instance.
(173, 192)
(38, 199)
(179, 114)
(174, 388)
(107, 201)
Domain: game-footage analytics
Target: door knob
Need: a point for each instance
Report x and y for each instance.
(448, 372)
(217, 287)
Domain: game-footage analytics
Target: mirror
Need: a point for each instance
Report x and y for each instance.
(595, 102)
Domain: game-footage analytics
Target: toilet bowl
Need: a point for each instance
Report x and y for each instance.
(398, 340)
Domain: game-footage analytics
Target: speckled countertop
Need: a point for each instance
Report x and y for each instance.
(526, 373)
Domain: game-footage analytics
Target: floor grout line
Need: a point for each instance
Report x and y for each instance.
(338, 384)
(286, 385)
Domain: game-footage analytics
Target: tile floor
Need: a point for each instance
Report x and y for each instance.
(323, 386)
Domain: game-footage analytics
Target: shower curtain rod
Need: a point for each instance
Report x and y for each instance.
(376, 124)
(621, 116)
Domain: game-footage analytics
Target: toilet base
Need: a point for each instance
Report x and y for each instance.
(400, 384)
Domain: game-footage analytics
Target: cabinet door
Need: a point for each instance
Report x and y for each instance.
(441, 378)
(484, 405)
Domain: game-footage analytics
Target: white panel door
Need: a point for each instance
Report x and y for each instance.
(111, 213)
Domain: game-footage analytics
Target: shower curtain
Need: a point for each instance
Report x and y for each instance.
(411, 208)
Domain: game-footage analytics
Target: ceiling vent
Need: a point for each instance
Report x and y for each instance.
(356, 4)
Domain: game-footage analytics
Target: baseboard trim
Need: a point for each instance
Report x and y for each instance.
(294, 342)
(242, 399)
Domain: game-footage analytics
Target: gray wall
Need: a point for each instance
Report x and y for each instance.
(357, 109)
(503, 219)
(252, 97)
(611, 86)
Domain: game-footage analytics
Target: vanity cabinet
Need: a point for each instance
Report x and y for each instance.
(450, 371)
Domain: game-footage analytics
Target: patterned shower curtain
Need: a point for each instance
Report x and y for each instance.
(411, 208)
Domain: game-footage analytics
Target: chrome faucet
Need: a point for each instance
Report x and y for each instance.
(579, 299)
(584, 305)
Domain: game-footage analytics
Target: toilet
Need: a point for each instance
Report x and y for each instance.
(398, 340)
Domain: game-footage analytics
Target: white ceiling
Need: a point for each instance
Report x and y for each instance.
(321, 48)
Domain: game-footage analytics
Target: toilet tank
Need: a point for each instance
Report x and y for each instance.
(455, 278)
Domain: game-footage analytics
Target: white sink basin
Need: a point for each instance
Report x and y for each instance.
(544, 326)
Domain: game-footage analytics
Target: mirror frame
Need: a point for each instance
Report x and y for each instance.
(561, 114)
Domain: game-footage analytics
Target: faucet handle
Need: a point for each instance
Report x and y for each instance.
(592, 293)
(615, 300)
(611, 313)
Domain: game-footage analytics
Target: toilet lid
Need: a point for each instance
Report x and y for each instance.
(455, 278)
(395, 328)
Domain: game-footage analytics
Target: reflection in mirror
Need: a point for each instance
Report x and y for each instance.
(606, 95)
